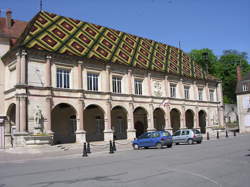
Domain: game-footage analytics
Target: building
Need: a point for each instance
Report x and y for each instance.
(243, 100)
(231, 115)
(78, 81)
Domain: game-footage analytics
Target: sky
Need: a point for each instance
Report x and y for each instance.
(195, 24)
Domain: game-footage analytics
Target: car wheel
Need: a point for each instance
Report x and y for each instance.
(177, 143)
(158, 146)
(169, 145)
(190, 141)
(136, 147)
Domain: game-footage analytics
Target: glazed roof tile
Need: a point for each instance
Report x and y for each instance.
(58, 34)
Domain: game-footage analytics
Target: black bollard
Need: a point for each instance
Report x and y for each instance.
(84, 152)
(226, 134)
(234, 133)
(218, 136)
(88, 148)
(114, 147)
(111, 151)
(208, 136)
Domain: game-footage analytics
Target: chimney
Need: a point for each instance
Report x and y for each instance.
(8, 18)
(239, 77)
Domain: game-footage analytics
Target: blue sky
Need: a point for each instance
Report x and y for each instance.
(214, 24)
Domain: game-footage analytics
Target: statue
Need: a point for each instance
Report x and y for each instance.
(37, 119)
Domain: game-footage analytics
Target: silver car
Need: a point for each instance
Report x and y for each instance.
(188, 136)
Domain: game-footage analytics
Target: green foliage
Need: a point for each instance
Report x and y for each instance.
(196, 55)
(224, 68)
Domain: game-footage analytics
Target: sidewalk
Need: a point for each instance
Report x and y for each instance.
(22, 154)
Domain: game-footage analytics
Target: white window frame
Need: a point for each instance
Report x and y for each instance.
(173, 90)
(138, 86)
(116, 84)
(63, 77)
(92, 81)
(200, 94)
(211, 95)
(186, 92)
(244, 88)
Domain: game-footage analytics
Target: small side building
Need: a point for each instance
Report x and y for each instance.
(243, 101)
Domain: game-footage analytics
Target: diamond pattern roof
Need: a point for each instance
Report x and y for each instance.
(63, 35)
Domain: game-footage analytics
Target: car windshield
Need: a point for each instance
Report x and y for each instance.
(196, 131)
(166, 134)
(177, 133)
(145, 135)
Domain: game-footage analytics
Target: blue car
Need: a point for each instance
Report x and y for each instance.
(156, 139)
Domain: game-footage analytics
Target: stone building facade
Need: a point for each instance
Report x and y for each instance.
(243, 100)
(80, 82)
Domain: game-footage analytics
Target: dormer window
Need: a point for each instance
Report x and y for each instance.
(244, 88)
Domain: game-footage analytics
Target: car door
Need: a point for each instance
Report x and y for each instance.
(144, 140)
(184, 135)
(176, 136)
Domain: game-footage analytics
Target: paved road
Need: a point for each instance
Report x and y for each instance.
(215, 163)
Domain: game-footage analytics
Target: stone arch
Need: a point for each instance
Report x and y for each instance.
(94, 122)
(63, 123)
(119, 122)
(175, 119)
(140, 120)
(189, 119)
(159, 119)
(202, 121)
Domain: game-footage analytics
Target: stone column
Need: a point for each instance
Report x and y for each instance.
(149, 81)
(130, 82)
(18, 68)
(208, 123)
(80, 132)
(48, 72)
(183, 118)
(80, 77)
(219, 93)
(197, 117)
(167, 119)
(167, 89)
(195, 91)
(151, 118)
(131, 129)
(48, 115)
(108, 78)
(23, 114)
(207, 92)
(17, 114)
(181, 89)
(108, 133)
(23, 67)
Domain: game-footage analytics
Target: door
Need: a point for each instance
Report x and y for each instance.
(144, 140)
(177, 136)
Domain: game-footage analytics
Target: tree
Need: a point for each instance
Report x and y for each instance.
(225, 70)
(197, 56)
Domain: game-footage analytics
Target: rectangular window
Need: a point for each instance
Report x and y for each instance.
(138, 87)
(211, 95)
(62, 78)
(117, 84)
(92, 82)
(244, 88)
(186, 92)
(200, 93)
(173, 90)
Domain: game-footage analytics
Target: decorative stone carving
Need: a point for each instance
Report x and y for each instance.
(157, 88)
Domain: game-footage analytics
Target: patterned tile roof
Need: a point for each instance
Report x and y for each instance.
(63, 35)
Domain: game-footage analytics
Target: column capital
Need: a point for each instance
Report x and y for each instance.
(108, 67)
(24, 53)
(166, 77)
(48, 57)
(79, 62)
(130, 71)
